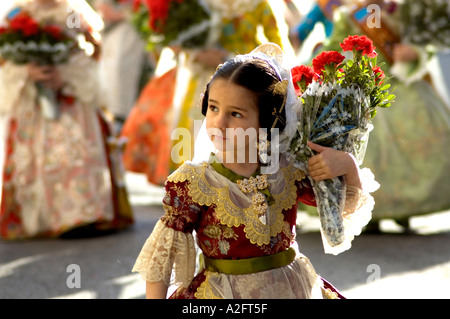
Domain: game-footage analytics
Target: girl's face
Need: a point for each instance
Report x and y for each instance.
(232, 117)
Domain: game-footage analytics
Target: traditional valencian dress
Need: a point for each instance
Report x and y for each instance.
(62, 173)
(247, 253)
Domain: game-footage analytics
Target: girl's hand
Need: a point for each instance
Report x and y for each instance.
(48, 75)
(56, 82)
(38, 73)
(330, 163)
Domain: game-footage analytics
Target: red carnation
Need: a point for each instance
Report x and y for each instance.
(379, 75)
(159, 11)
(302, 76)
(359, 43)
(136, 5)
(54, 31)
(25, 24)
(331, 58)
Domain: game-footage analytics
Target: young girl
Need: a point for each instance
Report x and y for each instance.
(244, 220)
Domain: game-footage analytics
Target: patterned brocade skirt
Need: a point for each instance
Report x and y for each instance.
(297, 280)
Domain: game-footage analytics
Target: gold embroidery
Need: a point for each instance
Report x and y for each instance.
(252, 185)
(233, 207)
(213, 231)
(205, 291)
(281, 87)
(328, 294)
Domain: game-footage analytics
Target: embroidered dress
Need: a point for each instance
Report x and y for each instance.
(206, 198)
(64, 173)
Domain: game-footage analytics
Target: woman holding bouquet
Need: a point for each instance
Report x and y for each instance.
(170, 100)
(61, 174)
(244, 213)
(407, 148)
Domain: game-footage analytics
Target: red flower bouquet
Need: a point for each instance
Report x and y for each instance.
(23, 40)
(337, 109)
(24, 24)
(183, 23)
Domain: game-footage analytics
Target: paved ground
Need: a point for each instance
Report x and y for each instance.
(390, 265)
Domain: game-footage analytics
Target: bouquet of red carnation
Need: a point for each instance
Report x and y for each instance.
(339, 99)
(184, 23)
(23, 40)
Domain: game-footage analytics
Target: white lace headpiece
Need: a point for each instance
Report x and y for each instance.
(273, 54)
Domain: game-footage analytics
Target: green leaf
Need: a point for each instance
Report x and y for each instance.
(390, 97)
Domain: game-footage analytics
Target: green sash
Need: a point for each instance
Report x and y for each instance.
(249, 265)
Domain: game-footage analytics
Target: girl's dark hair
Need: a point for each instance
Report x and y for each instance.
(259, 77)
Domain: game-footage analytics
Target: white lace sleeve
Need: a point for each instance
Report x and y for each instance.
(166, 252)
(357, 211)
(81, 79)
(13, 83)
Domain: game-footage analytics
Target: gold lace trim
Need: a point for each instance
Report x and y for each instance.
(233, 207)
(328, 294)
(205, 291)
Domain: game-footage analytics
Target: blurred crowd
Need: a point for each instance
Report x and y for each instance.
(119, 104)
